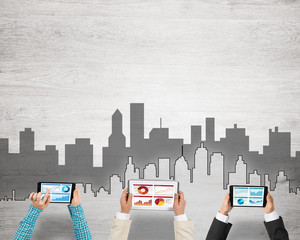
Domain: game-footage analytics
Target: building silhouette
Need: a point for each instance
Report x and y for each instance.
(157, 157)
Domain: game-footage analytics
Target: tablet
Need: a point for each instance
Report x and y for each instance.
(153, 194)
(248, 196)
(60, 192)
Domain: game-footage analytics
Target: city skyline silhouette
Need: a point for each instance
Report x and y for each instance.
(21, 171)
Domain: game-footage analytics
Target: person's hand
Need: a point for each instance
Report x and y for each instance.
(179, 204)
(126, 203)
(270, 204)
(76, 198)
(226, 205)
(38, 202)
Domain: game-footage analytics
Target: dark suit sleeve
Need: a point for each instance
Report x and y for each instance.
(218, 230)
(276, 230)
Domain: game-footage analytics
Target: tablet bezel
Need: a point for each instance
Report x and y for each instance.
(155, 181)
(248, 186)
(73, 189)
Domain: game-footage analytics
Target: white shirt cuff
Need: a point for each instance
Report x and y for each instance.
(122, 216)
(181, 217)
(222, 218)
(271, 216)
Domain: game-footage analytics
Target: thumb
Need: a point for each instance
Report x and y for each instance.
(269, 197)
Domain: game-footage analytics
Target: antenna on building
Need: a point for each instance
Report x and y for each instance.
(160, 122)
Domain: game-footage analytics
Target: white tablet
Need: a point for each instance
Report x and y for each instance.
(153, 194)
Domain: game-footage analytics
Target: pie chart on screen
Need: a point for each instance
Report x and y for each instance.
(159, 201)
(143, 190)
(66, 189)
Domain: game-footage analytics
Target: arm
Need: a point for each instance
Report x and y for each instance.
(121, 223)
(273, 223)
(37, 205)
(183, 228)
(80, 226)
(26, 226)
(220, 227)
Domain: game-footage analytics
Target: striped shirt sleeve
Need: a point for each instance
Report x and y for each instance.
(26, 226)
(80, 226)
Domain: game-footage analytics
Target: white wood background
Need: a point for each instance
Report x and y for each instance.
(66, 65)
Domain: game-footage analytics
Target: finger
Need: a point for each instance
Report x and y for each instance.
(48, 199)
(78, 192)
(39, 196)
(46, 195)
(226, 199)
(124, 194)
(129, 201)
(181, 195)
(176, 196)
(34, 197)
(270, 196)
(75, 195)
(30, 196)
(176, 199)
(75, 192)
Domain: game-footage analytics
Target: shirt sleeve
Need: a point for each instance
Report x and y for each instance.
(122, 216)
(271, 216)
(26, 226)
(80, 226)
(222, 218)
(181, 217)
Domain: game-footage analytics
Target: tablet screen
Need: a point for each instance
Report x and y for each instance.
(248, 196)
(153, 194)
(59, 192)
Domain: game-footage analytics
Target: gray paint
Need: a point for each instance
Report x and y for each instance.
(21, 172)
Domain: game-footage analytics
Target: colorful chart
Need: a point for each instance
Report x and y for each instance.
(159, 201)
(143, 190)
(66, 188)
(163, 190)
(141, 203)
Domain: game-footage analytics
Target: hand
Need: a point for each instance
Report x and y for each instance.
(270, 204)
(179, 204)
(126, 203)
(226, 205)
(38, 202)
(76, 198)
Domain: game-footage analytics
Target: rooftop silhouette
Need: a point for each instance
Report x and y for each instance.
(21, 171)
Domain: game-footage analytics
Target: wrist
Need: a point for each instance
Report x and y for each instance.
(74, 205)
(125, 211)
(268, 211)
(35, 208)
(225, 213)
(179, 213)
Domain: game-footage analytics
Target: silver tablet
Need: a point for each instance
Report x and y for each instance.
(153, 194)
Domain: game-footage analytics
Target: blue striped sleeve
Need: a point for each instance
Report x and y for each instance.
(26, 226)
(80, 226)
